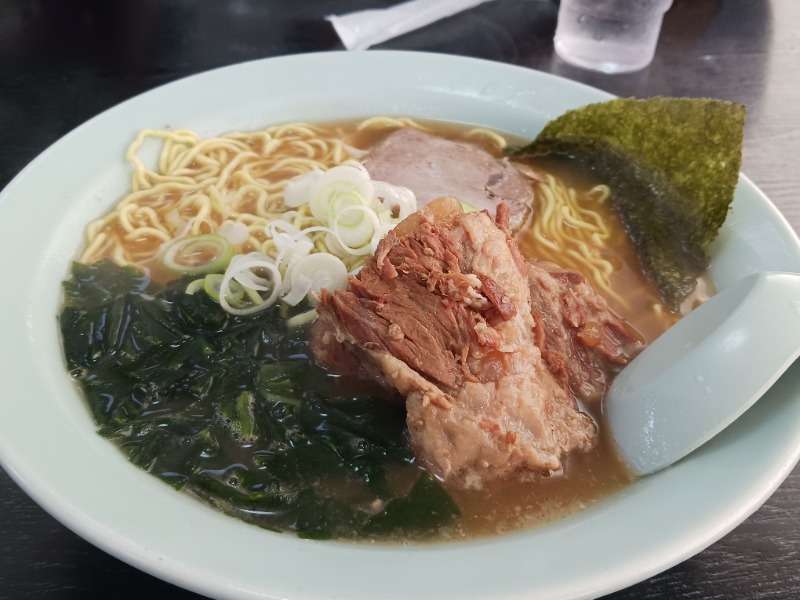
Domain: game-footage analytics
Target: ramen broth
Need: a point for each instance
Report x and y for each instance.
(509, 505)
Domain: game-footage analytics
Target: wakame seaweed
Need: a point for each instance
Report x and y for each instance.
(231, 409)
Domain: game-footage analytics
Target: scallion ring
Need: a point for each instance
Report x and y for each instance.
(235, 292)
(198, 254)
(195, 286)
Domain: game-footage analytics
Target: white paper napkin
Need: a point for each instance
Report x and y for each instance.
(362, 29)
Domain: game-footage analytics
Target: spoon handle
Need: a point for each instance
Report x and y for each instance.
(705, 371)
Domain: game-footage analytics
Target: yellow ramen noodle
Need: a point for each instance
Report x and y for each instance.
(197, 184)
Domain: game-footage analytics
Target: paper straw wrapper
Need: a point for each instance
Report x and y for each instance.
(362, 29)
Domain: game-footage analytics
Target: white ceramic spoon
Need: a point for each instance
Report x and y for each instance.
(705, 371)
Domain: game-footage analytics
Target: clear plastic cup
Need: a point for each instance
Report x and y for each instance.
(612, 36)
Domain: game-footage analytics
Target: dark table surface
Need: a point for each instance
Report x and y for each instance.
(63, 61)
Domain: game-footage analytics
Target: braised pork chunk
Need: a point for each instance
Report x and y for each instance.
(442, 314)
(582, 342)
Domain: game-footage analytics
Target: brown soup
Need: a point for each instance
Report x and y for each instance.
(501, 506)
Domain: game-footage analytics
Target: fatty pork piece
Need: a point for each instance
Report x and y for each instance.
(433, 167)
(443, 314)
(583, 343)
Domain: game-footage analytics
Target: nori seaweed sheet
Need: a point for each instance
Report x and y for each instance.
(672, 165)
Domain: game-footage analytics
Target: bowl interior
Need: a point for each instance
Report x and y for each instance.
(50, 447)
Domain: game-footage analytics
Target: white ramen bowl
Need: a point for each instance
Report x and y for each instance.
(47, 437)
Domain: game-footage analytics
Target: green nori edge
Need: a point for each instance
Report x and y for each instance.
(672, 165)
(232, 410)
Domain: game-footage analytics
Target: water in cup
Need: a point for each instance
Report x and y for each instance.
(613, 36)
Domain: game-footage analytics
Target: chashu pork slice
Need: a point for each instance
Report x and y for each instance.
(432, 167)
(442, 314)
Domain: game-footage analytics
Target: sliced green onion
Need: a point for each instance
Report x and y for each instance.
(298, 289)
(198, 254)
(235, 232)
(400, 201)
(195, 286)
(254, 273)
(339, 204)
(313, 273)
(302, 318)
(212, 285)
(355, 233)
(353, 213)
(300, 189)
(349, 183)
